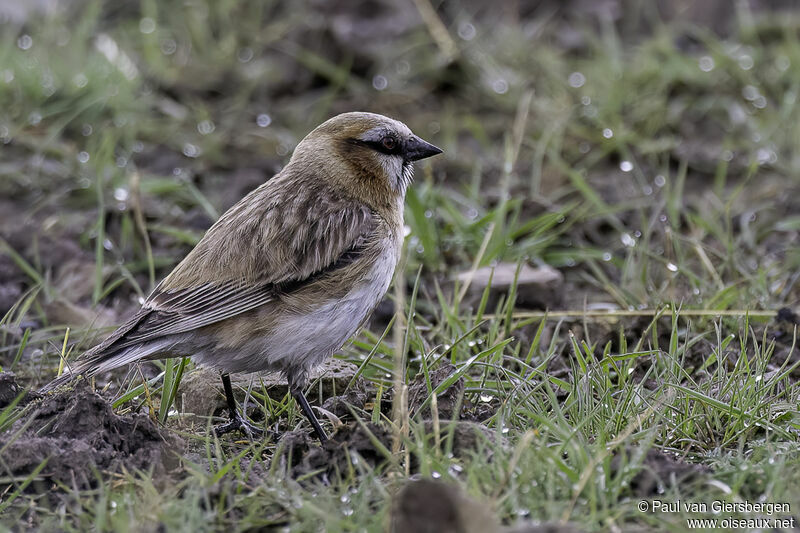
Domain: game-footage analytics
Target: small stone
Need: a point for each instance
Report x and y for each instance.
(430, 505)
(537, 287)
(468, 437)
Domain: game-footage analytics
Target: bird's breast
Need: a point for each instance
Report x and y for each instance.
(308, 327)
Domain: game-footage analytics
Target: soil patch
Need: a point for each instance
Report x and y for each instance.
(77, 434)
(447, 401)
(349, 445)
(658, 470)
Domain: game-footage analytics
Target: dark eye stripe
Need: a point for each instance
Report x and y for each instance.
(379, 147)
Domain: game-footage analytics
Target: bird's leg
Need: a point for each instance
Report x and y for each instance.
(299, 397)
(237, 421)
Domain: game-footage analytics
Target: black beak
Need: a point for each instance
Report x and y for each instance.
(417, 149)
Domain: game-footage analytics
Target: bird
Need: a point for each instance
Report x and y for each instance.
(289, 273)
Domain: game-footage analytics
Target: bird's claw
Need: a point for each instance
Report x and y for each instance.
(238, 422)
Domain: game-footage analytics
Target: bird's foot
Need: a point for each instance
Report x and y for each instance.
(239, 422)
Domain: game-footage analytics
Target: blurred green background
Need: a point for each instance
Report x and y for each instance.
(602, 138)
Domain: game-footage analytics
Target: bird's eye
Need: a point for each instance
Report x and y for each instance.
(389, 143)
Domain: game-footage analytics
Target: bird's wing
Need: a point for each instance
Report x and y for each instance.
(226, 275)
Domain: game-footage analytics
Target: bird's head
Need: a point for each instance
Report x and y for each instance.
(370, 153)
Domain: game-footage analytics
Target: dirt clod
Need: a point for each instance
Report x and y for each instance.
(77, 433)
(447, 400)
(437, 507)
(350, 444)
(356, 397)
(657, 470)
(467, 436)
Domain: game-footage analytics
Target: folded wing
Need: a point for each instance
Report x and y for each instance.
(244, 260)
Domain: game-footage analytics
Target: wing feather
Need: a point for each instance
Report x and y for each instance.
(336, 238)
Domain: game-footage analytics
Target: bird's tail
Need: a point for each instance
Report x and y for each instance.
(101, 359)
(93, 362)
(82, 368)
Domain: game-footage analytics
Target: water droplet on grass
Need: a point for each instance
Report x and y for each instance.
(608, 133)
(750, 93)
(205, 127)
(500, 86)
(25, 42)
(576, 80)
(466, 31)
(83, 157)
(245, 54)
(672, 267)
(168, 47)
(625, 166)
(263, 120)
(627, 240)
(379, 82)
(190, 150)
(147, 25)
(765, 155)
(706, 63)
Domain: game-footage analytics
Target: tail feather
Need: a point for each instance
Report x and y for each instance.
(82, 368)
(92, 363)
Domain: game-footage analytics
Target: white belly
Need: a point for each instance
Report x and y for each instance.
(303, 341)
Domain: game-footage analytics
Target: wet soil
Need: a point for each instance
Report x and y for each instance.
(76, 435)
(657, 471)
(431, 506)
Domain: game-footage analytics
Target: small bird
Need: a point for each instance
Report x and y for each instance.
(290, 272)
